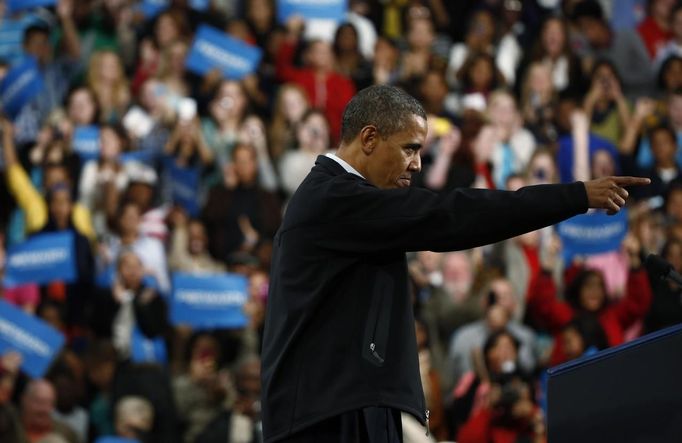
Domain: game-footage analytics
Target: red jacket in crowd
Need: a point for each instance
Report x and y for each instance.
(615, 317)
(330, 94)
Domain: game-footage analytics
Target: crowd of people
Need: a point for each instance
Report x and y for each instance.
(517, 93)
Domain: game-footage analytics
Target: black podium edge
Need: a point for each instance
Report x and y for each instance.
(608, 353)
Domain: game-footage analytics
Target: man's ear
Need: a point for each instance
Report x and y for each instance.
(369, 137)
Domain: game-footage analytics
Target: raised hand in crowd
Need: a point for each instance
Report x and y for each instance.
(71, 41)
(448, 145)
(633, 248)
(10, 363)
(187, 139)
(644, 108)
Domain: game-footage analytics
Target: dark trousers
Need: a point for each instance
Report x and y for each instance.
(368, 425)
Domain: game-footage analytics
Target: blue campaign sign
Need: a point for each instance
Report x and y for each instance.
(36, 341)
(214, 49)
(17, 5)
(136, 156)
(110, 439)
(20, 85)
(86, 142)
(312, 9)
(147, 350)
(209, 301)
(184, 184)
(199, 5)
(152, 8)
(592, 233)
(41, 259)
(11, 37)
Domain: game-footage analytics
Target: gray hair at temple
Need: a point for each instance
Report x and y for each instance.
(386, 107)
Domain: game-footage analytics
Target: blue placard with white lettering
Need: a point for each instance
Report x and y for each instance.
(17, 5)
(312, 9)
(147, 350)
(110, 439)
(21, 84)
(12, 35)
(36, 341)
(86, 142)
(184, 185)
(214, 49)
(592, 233)
(42, 258)
(209, 301)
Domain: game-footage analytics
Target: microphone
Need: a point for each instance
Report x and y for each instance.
(661, 268)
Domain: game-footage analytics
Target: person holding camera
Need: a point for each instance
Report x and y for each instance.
(501, 398)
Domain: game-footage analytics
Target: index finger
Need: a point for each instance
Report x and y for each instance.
(631, 181)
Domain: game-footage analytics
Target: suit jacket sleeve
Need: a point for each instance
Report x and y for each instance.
(358, 217)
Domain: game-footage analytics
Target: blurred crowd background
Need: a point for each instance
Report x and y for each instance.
(518, 93)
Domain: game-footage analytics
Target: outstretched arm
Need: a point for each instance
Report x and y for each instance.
(358, 217)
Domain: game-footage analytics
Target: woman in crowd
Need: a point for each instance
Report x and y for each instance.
(349, 60)
(512, 144)
(150, 250)
(607, 108)
(227, 111)
(186, 162)
(538, 102)
(290, 105)
(327, 89)
(107, 79)
(586, 295)
(81, 109)
(102, 180)
(554, 50)
(476, 397)
(312, 136)
(171, 70)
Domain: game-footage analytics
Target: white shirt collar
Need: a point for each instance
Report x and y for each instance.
(344, 164)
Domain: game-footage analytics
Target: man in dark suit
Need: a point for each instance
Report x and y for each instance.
(339, 351)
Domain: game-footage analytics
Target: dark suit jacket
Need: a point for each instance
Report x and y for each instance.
(339, 331)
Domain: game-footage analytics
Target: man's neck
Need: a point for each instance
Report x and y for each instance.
(353, 159)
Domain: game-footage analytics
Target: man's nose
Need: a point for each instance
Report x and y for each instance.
(416, 164)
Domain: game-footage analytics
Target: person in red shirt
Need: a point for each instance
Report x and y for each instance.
(655, 28)
(326, 89)
(586, 296)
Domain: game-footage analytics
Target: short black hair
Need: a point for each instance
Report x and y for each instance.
(664, 128)
(34, 29)
(588, 9)
(667, 62)
(387, 107)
